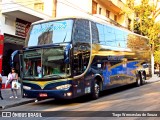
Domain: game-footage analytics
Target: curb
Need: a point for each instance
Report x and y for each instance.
(152, 81)
(16, 104)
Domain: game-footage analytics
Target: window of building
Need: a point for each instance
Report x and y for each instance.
(115, 17)
(129, 23)
(94, 7)
(39, 6)
(107, 13)
(100, 10)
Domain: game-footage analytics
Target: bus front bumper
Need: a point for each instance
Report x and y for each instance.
(44, 94)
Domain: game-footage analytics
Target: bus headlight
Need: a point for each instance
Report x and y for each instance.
(66, 87)
(26, 87)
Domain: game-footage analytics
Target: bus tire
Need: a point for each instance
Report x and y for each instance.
(95, 90)
(138, 81)
(22, 93)
(143, 78)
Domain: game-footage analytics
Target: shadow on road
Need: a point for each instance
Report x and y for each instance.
(86, 98)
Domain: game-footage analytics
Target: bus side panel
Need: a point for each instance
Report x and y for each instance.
(117, 68)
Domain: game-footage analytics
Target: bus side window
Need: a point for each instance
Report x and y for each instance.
(81, 58)
(77, 64)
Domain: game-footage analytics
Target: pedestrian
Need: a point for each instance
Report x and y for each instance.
(14, 79)
(1, 86)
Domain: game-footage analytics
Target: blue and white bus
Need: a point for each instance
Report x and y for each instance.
(70, 57)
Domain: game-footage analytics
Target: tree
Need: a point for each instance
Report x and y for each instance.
(145, 14)
(157, 56)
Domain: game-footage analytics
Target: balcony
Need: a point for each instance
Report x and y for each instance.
(115, 5)
(16, 10)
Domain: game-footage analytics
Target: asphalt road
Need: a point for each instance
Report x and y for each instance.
(128, 98)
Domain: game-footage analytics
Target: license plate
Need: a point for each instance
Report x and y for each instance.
(43, 95)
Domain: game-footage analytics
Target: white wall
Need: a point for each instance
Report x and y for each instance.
(10, 29)
(72, 8)
(48, 7)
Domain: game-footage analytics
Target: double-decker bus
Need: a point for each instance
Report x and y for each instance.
(70, 57)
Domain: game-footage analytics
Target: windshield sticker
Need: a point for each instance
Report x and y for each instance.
(52, 26)
(50, 33)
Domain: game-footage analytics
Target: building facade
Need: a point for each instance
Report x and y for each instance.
(15, 19)
(17, 15)
(110, 10)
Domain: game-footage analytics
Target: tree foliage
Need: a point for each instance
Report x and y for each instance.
(157, 57)
(144, 23)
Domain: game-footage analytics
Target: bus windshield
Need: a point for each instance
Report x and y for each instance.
(50, 33)
(45, 63)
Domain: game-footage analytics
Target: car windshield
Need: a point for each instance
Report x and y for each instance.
(45, 63)
(49, 33)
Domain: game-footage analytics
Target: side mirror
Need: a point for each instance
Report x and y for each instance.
(12, 57)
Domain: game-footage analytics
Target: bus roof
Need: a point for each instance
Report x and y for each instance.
(96, 19)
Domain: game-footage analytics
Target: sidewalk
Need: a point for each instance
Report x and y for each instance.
(8, 102)
(12, 102)
(154, 78)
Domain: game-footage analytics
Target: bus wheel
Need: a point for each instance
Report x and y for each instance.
(95, 91)
(138, 81)
(143, 78)
(22, 93)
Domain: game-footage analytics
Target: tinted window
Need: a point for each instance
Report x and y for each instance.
(81, 56)
(81, 31)
(120, 41)
(95, 34)
(81, 46)
(101, 34)
(110, 36)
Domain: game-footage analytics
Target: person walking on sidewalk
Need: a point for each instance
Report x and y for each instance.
(14, 78)
(1, 86)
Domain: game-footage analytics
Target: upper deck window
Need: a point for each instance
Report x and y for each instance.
(50, 32)
(81, 32)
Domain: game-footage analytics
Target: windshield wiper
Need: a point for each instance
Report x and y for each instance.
(54, 75)
(65, 37)
(29, 77)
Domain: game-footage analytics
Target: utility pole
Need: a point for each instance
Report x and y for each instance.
(152, 59)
